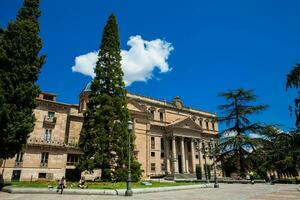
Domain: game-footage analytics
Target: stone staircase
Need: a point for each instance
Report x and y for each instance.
(181, 177)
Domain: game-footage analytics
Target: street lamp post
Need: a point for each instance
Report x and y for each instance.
(204, 150)
(213, 149)
(128, 183)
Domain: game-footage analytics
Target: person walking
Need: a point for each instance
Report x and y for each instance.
(62, 185)
(251, 177)
(82, 183)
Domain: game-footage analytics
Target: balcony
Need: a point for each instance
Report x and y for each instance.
(41, 141)
(18, 164)
(49, 121)
(44, 164)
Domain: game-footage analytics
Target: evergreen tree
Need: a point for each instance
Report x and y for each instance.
(235, 142)
(104, 133)
(20, 65)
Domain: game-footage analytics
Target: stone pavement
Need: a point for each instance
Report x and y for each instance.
(225, 192)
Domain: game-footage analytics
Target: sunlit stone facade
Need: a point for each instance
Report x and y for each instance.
(168, 138)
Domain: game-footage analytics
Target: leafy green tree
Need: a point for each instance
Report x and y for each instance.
(279, 151)
(293, 81)
(104, 136)
(235, 140)
(20, 65)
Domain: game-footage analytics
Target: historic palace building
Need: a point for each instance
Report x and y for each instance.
(168, 138)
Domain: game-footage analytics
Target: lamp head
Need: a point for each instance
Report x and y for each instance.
(129, 125)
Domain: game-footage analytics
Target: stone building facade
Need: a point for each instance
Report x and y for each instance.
(168, 138)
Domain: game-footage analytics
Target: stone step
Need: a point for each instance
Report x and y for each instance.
(181, 176)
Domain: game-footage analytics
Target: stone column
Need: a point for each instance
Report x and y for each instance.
(186, 157)
(200, 156)
(182, 155)
(174, 156)
(193, 156)
(167, 156)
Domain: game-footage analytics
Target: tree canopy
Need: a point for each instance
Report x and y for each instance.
(236, 143)
(20, 64)
(104, 133)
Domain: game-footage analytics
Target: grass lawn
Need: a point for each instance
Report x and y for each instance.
(96, 185)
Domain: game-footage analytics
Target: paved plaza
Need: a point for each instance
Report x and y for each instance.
(225, 192)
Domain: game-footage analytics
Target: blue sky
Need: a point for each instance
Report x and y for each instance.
(217, 46)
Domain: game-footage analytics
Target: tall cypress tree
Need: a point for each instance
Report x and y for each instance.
(104, 133)
(20, 65)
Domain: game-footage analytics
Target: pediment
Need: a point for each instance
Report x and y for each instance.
(133, 105)
(187, 123)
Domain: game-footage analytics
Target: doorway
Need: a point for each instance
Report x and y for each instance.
(179, 164)
(16, 174)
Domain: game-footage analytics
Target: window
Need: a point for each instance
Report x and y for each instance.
(207, 126)
(48, 97)
(19, 157)
(47, 135)
(189, 146)
(162, 155)
(44, 158)
(203, 156)
(162, 167)
(50, 116)
(161, 116)
(153, 167)
(152, 113)
(213, 125)
(152, 143)
(200, 122)
(72, 159)
(162, 144)
(197, 156)
(42, 175)
(152, 154)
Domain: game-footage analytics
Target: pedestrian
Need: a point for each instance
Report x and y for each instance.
(62, 185)
(251, 177)
(82, 183)
(272, 179)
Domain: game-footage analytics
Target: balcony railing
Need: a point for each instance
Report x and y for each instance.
(44, 164)
(18, 164)
(50, 120)
(38, 141)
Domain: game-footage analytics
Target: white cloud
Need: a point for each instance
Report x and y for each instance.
(137, 63)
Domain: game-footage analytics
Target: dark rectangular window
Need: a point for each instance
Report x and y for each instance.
(152, 143)
(162, 144)
(197, 156)
(162, 155)
(48, 135)
(72, 159)
(153, 167)
(152, 113)
(213, 125)
(200, 122)
(42, 175)
(152, 154)
(203, 156)
(50, 115)
(189, 146)
(45, 157)
(19, 157)
(161, 116)
(162, 167)
(207, 126)
(48, 97)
